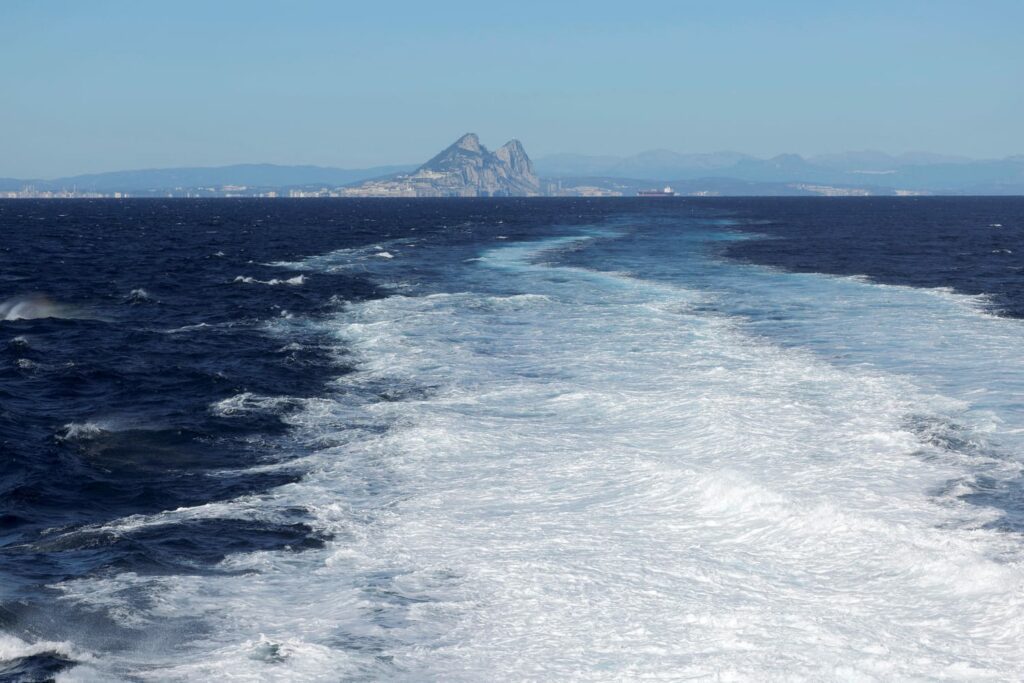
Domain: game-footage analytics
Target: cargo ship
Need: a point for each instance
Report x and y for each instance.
(666, 192)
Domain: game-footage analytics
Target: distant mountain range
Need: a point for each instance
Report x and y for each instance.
(249, 175)
(871, 170)
(466, 168)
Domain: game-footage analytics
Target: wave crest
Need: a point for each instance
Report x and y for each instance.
(33, 307)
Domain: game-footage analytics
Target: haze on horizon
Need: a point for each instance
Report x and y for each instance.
(125, 85)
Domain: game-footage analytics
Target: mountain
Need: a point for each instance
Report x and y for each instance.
(569, 165)
(163, 179)
(662, 164)
(875, 161)
(464, 169)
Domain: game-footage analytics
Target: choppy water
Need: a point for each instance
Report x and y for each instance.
(502, 439)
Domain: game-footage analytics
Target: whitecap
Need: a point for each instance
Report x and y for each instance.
(138, 296)
(80, 431)
(293, 281)
(346, 259)
(248, 402)
(12, 648)
(188, 328)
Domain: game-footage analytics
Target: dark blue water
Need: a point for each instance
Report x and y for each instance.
(127, 320)
(137, 323)
(974, 245)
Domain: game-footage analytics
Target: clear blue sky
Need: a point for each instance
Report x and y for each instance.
(117, 84)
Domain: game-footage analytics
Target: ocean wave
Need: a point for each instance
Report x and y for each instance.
(16, 648)
(13, 648)
(33, 307)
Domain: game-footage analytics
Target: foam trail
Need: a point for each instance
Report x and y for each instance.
(594, 479)
(948, 342)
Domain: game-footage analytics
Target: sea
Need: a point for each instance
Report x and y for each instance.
(512, 439)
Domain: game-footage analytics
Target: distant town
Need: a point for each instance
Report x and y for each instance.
(30, 192)
(549, 189)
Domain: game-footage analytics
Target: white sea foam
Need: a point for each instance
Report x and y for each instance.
(189, 328)
(595, 480)
(82, 430)
(354, 258)
(248, 402)
(293, 281)
(97, 427)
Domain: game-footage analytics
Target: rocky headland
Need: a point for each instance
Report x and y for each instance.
(465, 169)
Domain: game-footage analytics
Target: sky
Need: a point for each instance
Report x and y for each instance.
(117, 84)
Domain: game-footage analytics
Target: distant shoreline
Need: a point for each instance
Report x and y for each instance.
(519, 198)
